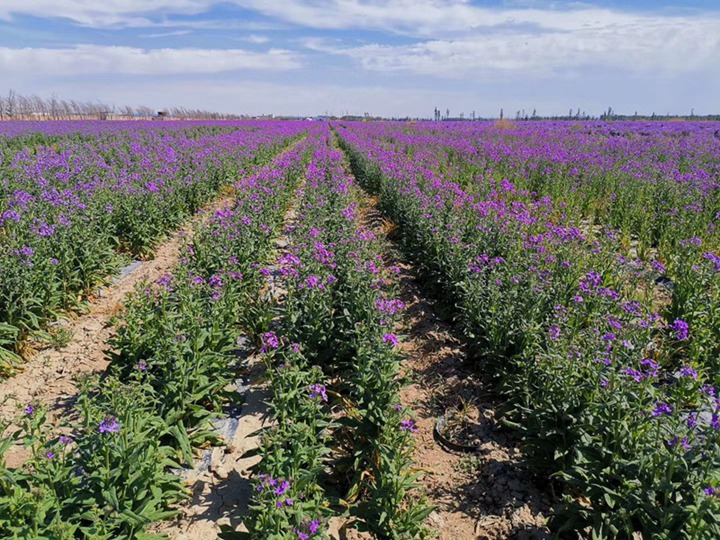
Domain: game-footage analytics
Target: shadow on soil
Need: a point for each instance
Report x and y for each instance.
(497, 491)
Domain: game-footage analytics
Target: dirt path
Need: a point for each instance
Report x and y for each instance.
(50, 376)
(222, 489)
(221, 485)
(483, 495)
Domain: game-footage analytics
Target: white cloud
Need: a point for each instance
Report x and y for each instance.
(436, 18)
(531, 43)
(255, 39)
(455, 38)
(174, 33)
(650, 49)
(102, 12)
(95, 59)
(425, 18)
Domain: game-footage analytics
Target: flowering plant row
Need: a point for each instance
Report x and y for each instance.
(612, 385)
(72, 207)
(341, 446)
(107, 476)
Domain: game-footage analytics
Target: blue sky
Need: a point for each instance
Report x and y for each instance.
(385, 57)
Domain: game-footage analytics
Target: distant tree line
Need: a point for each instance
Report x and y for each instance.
(14, 106)
(522, 116)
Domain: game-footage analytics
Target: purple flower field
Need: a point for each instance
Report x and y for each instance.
(77, 197)
(580, 262)
(581, 258)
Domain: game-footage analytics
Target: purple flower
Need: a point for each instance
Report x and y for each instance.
(142, 366)
(709, 491)
(318, 390)
(687, 371)
(109, 425)
(314, 281)
(634, 373)
(27, 251)
(681, 329)
(389, 307)
(658, 266)
(390, 338)
(10, 215)
(164, 280)
(282, 488)
(650, 367)
(554, 332)
(715, 259)
(270, 341)
(50, 455)
(312, 528)
(263, 481)
(408, 425)
(662, 409)
(65, 440)
(29, 409)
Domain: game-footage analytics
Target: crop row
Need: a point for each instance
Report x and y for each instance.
(341, 443)
(71, 207)
(107, 475)
(653, 184)
(610, 378)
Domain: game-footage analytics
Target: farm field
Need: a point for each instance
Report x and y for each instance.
(306, 330)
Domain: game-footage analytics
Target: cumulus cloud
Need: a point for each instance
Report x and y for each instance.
(453, 38)
(437, 18)
(96, 59)
(658, 48)
(174, 33)
(255, 39)
(104, 12)
(534, 42)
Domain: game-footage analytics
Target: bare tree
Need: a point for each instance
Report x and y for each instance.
(11, 104)
(16, 106)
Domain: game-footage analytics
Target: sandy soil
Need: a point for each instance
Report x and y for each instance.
(482, 495)
(222, 493)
